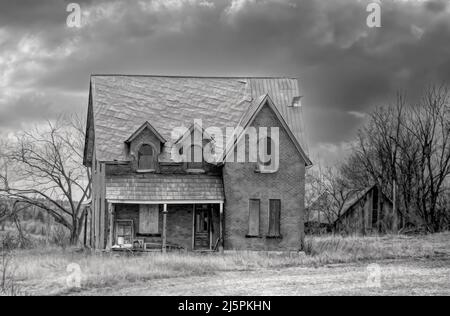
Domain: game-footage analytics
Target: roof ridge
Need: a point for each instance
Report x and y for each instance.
(195, 77)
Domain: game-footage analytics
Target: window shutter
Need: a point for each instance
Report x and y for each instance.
(253, 218)
(274, 218)
(149, 219)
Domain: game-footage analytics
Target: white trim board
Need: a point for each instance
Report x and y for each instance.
(166, 202)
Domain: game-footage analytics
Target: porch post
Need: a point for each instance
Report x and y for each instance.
(110, 226)
(193, 227)
(221, 240)
(164, 234)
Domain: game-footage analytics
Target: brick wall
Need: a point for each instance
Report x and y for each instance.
(288, 185)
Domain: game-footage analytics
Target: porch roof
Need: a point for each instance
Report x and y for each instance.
(164, 188)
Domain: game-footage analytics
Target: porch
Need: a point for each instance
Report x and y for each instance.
(147, 226)
(157, 212)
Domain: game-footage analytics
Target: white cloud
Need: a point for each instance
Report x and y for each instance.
(172, 5)
(326, 154)
(357, 114)
(417, 32)
(238, 5)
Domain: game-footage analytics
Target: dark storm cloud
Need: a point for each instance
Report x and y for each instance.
(27, 14)
(436, 5)
(35, 107)
(345, 67)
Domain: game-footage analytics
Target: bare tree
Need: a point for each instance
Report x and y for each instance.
(9, 210)
(333, 193)
(45, 169)
(407, 147)
(430, 126)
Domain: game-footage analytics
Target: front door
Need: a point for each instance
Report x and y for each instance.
(202, 227)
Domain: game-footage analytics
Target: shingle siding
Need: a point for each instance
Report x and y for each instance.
(157, 187)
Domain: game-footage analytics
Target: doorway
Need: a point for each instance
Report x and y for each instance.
(202, 227)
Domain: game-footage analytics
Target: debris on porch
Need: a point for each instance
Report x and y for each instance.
(146, 247)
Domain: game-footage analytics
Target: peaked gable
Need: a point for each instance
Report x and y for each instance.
(141, 129)
(248, 118)
(190, 131)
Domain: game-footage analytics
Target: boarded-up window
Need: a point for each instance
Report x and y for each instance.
(274, 218)
(148, 219)
(253, 218)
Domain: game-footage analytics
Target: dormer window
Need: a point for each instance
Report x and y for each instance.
(195, 159)
(146, 158)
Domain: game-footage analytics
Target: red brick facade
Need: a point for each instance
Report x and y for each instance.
(242, 183)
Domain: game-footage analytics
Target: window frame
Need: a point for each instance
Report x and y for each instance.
(116, 230)
(249, 231)
(277, 233)
(265, 167)
(154, 160)
(195, 167)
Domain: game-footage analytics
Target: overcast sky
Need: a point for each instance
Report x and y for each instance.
(345, 67)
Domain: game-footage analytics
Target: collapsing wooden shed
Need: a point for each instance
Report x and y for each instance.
(369, 212)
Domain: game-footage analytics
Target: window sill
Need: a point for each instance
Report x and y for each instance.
(274, 237)
(170, 163)
(253, 237)
(195, 171)
(146, 171)
(263, 170)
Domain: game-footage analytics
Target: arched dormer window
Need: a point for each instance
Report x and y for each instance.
(195, 158)
(146, 158)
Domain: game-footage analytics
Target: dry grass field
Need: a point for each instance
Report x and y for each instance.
(332, 266)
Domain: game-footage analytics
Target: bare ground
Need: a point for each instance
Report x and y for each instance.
(400, 277)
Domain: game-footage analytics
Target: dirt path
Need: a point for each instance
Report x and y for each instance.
(419, 277)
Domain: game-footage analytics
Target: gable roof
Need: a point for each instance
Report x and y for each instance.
(119, 104)
(357, 196)
(146, 125)
(249, 116)
(190, 131)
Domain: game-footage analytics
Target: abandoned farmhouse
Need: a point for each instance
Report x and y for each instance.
(145, 197)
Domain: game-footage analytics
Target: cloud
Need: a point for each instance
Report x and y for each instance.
(345, 68)
(19, 110)
(357, 114)
(326, 154)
